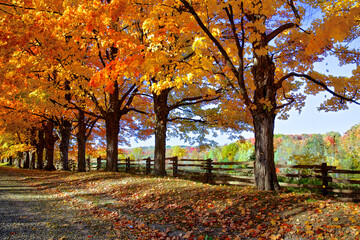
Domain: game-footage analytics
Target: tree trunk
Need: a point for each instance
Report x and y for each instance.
(32, 159)
(264, 168)
(161, 116)
(112, 133)
(26, 157)
(264, 115)
(19, 159)
(160, 148)
(10, 161)
(81, 141)
(40, 150)
(33, 144)
(50, 140)
(65, 131)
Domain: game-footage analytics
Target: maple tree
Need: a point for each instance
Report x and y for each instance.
(262, 50)
(114, 65)
(183, 104)
(69, 62)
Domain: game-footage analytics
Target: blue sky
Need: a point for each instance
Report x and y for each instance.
(309, 121)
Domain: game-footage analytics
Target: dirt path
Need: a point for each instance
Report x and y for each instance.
(28, 213)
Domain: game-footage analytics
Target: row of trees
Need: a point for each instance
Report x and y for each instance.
(106, 70)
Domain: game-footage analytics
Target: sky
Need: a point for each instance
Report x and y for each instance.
(309, 121)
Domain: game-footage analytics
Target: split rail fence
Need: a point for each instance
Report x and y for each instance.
(322, 178)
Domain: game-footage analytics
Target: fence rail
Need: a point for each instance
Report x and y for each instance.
(316, 177)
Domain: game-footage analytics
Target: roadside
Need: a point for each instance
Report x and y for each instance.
(29, 213)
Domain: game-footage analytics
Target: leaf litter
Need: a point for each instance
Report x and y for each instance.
(145, 207)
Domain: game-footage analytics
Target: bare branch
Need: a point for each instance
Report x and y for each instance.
(290, 100)
(323, 85)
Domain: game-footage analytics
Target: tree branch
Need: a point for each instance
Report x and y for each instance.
(210, 35)
(28, 8)
(321, 84)
(279, 30)
(291, 100)
(186, 119)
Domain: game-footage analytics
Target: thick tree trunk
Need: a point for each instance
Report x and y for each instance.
(26, 157)
(81, 141)
(50, 140)
(40, 150)
(112, 132)
(160, 148)
(161, 116)
(264, 168)
(10, 161)
(264, 115)
(65, 131)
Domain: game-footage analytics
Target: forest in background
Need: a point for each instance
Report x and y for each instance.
(342, 151)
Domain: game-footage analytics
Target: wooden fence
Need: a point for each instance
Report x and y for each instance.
(322, 178)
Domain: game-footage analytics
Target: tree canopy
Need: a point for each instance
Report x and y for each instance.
(137, 65)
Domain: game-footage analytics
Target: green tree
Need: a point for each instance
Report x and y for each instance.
(228, 152)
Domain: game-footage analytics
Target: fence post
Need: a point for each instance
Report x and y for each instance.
(127, 165)
(175, 166)
(324, 177)
(148, 166)
(98, 163)
(208, 167)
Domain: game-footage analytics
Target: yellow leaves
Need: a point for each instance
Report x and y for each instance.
(199, 44)
(39, 94)
(335, 27)
(266, 104)
(254, 37)
(216, 32)
(261, 51)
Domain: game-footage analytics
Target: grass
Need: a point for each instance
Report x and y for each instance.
(163, 207)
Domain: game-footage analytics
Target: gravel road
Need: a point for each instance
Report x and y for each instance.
(28, 213)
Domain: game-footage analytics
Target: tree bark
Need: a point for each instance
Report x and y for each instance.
(161, 117)
(112, 124)
(32, 159)
(40, 150)
(19, 159)
(10, 161)
(33, 144)
(112, 132)
(264, 115)
(81, 141)
(50, 140)
(26, 157)
(264, 167)
(65, 132)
